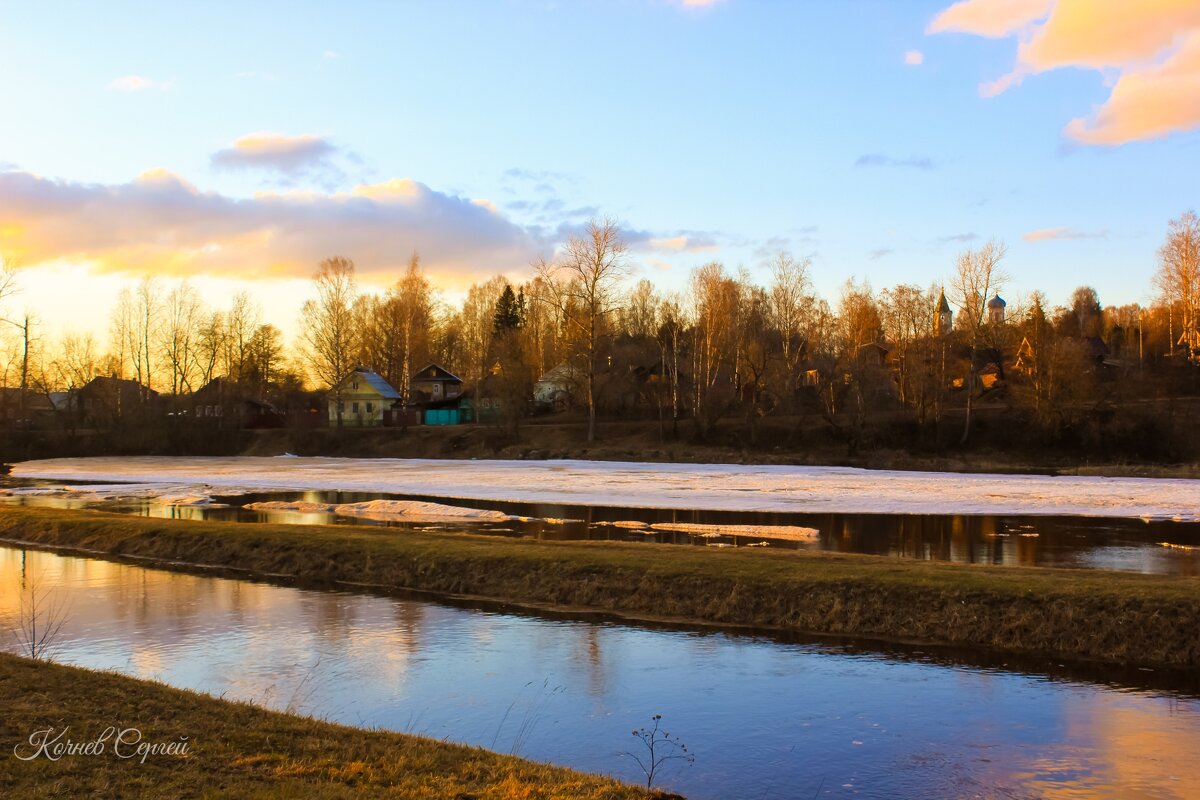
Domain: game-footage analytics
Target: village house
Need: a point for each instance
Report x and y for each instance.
(227, 403)
(19, 407)
(434, 383)
(361, 399)
(553, 389)
(436, 397)
(105, 399)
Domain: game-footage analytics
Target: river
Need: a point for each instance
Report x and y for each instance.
(765, 718)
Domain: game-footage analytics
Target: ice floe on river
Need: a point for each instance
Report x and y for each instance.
(387, 510)
(717, 487)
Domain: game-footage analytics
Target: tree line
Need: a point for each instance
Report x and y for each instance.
(724, 347)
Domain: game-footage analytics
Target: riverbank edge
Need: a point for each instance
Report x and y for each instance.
(238, 749)
(1114, 617)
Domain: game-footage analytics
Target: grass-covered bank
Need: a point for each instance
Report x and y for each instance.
(240, 750)
(788, 441)
(1108, 616)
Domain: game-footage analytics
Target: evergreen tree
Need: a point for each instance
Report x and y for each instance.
(508, 312)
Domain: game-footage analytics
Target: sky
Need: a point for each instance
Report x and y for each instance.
(236, 145)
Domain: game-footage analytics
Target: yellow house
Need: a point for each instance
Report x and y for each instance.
(362, 397)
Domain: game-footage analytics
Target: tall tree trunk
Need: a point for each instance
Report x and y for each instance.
(967, 425)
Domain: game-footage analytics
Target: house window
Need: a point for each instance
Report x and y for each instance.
(354, 408)
(341, 407)
(437, 390)
(354, 384)
(370, 407)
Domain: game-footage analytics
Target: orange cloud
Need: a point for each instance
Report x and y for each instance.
(914, 58)
(162, 224)
(1147, 104)
(1152, 45)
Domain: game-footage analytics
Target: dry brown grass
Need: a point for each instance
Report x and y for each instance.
(243, 751)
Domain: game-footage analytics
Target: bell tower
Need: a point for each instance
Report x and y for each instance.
(943, 317)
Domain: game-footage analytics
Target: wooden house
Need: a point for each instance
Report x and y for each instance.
(226, 403)
(19, 407)
(433, 384)
(361, 399)
(105, 399)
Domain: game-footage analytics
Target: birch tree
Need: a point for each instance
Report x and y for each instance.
(977, 275)
(583, 283)
(330, 333)
(1178, 276)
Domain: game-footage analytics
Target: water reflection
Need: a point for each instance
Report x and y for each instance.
(1035, 541)
(765, 719)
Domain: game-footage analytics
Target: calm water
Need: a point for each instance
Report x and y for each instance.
(765, 719)
(1042, 541)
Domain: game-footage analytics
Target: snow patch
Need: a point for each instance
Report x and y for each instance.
(789, 532)
(386, 510)
(417, 511)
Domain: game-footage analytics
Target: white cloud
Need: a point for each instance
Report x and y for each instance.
(1052, 234)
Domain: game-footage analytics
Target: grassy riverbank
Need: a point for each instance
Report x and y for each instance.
(1115, 617)
(240, 750)
(790, 441)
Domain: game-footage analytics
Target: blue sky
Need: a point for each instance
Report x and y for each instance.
(725, 132)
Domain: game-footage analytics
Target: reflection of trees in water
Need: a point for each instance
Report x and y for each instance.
(587, 659)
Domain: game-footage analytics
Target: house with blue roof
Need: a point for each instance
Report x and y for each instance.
(361, 399)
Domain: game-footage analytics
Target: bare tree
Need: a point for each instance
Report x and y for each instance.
(543, 327)
(330, 335)
(8, 287)
(210, 345)
(77, 361)
(977, 275)
(265, 357)
(1178, 276)
(716, 343)
(583, 284)
(410, 308)
(8, 277)
(241, 323)
(640, 317)
(133, 332)
(148, 319)
(791, 307)
(908, 325)
(40, 620)
(180, 335)
(671, 340)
